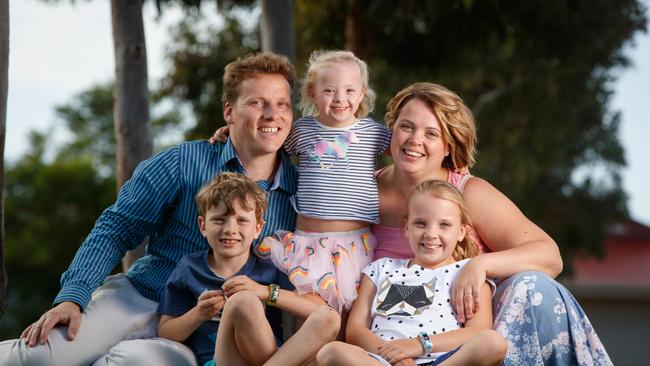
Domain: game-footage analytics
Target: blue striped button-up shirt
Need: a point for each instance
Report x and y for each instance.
(158, 202)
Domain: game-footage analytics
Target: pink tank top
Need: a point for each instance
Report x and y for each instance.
(391, 241)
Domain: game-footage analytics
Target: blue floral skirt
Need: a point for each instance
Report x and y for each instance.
(543, 323)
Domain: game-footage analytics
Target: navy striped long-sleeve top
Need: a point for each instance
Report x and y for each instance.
(158, 202)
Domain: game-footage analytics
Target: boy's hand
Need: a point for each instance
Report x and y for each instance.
(242, 283)
(210, 303)
(395, 351)
(220, 135)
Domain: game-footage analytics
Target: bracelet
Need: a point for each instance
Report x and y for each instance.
(426, 342)
(274, 293)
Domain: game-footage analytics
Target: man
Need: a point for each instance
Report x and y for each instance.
(115, 323)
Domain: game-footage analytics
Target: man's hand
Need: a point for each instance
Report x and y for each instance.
(65, 313)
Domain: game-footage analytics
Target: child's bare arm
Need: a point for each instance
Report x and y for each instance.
(358, 327)
(179, 328)
(394, 351)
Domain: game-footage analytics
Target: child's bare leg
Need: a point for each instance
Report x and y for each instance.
(340, 354)
(245, 336)
(485, 349)
(320, 327)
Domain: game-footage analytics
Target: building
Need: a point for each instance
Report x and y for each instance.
(615, 292)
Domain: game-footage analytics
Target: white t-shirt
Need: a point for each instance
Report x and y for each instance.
(410, 300)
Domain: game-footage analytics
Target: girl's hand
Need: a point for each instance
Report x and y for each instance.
(210, 303)
(466, 289)
(405, 362)
(220, 135)
(395, 351)
(242, 283)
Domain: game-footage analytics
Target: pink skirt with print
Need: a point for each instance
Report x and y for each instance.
(328, 264)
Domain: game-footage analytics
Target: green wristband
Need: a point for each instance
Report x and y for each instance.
(426, 342)
(274, 293)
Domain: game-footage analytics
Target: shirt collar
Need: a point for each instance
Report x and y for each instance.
(229, 156)
(286, 176)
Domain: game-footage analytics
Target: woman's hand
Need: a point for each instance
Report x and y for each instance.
(395, 351)
(242, 283)
(220, 135)
(466, 289)
(209, 304)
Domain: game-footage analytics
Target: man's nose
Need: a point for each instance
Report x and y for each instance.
(270, 112)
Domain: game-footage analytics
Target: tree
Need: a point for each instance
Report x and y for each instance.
(4, 72)
(50, 208)
(198, 54)
(276, 27)
(134, 140)
(537, 76)
(46, 218)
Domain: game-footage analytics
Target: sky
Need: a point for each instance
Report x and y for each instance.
(58, 51)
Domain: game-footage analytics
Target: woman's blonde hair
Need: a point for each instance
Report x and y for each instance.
(320, 58)
(456, 120)
(465, 248)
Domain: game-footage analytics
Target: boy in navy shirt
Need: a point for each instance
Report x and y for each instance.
(208, 283)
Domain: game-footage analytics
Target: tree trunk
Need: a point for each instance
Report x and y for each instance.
(276, 27)
(131, 94)
(355, 31)
(4, 83)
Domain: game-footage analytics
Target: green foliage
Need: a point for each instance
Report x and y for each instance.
(49, 209)
(537, 75)
(52, 202)
(198, 55)
(89, 116)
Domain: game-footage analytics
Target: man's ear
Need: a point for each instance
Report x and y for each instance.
(227, 112)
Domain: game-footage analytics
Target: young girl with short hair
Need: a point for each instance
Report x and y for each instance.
(337, 200)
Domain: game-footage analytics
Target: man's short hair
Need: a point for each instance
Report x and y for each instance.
(249, 66)
(230, 187)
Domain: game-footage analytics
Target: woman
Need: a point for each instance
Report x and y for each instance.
(433, 136)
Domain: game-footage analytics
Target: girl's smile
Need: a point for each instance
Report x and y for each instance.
(433, 229)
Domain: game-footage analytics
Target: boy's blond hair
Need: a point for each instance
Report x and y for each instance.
(320, 58)
(230, 187)
(456, 120)
(244, 68)
(465, 248)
